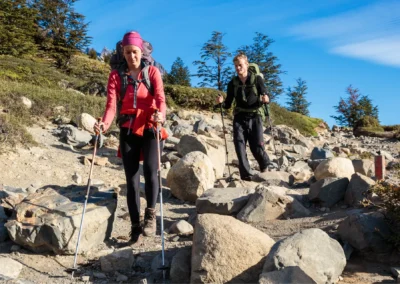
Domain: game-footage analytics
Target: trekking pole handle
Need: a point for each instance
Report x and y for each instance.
(101, 126)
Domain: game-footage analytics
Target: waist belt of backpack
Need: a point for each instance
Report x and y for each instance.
(124, 118)
(246, 110)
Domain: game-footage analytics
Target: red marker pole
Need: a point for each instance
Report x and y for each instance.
(380, 167)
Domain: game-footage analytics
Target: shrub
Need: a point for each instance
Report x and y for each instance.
(368, 121)
(390, 195)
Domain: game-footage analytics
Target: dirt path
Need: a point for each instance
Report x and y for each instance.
(54, 163)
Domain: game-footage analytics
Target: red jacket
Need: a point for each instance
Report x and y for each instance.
(146, 102)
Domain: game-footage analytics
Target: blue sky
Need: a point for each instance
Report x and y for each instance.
(328, 43)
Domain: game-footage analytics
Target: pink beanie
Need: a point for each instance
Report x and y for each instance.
(132, 38)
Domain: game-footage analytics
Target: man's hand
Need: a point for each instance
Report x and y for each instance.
(265, 99)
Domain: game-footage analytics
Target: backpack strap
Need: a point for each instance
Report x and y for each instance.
(125, 82)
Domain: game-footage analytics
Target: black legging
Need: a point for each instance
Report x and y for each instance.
(131, 147)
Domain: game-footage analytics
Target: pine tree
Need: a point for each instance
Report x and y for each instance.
(259, 53)
(179, 74)
(92, 53)
(213, 67)
(297, 101)
(62, 31)
(17, 28)
(354, 108)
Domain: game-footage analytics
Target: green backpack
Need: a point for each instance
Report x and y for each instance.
(254, 72)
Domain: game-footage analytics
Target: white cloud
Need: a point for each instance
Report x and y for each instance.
(384, 50)
(369, 33)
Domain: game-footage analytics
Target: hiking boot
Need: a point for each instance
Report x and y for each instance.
(136, 231)
(150, 226)
(248, 178)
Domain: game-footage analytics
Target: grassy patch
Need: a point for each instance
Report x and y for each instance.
(15, 115)
(390, 195)
(306, 125)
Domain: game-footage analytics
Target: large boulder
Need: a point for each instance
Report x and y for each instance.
(270, 203)
(313, 251)
(49, 219)
(86, 122)
(366, 232)
(328, 191)
(321, 153)
(224, 201)
(335, 167)
(357, 189)
(226, 250)
(180, 266)
(213, 148)
(191, 176)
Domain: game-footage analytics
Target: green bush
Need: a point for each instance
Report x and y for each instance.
(368, 121)
(191, 98)
(306, 125)
(390, 196)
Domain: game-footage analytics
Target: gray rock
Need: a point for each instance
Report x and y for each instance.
(365, 167)
(328, 191)
(3, 232)
(270, 203)
(9, 268)
(366, 232)
(54, 224)
(223, 241)
(191, 176)
(121, 260)
(335, 167)
(313, 251)
(321, 153)
(275, 178)
(313, 164)
(287, 275)
(180, 266)
(213, 148)
(73, 136)
(357, 189)
(224, 201)
(181, 227)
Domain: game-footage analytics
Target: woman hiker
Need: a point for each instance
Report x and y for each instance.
(140, 109)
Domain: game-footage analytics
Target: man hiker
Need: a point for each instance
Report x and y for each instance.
(248, 91)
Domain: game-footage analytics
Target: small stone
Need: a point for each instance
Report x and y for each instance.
(167, 165)
(143, 281)
(121, 277)
(175, 239)
(340, 278)
(77, 178)
(99, 275)
(395, 271)
(322, 209)
(15, 248)
(85, 278)
(344, 207)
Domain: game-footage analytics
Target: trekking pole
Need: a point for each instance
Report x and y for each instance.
(267, 112)
(229, 179)
(86, 200)
(163, 268)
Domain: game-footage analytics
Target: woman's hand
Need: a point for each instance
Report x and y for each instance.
(98, 127)
(158, 117)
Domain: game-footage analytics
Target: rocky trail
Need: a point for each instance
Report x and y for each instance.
(56, 164)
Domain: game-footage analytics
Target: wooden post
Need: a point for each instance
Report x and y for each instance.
(380, 167)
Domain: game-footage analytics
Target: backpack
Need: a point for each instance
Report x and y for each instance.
(118, 62)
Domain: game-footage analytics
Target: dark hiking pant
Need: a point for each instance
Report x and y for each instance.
(248, 127)
(131, 147)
